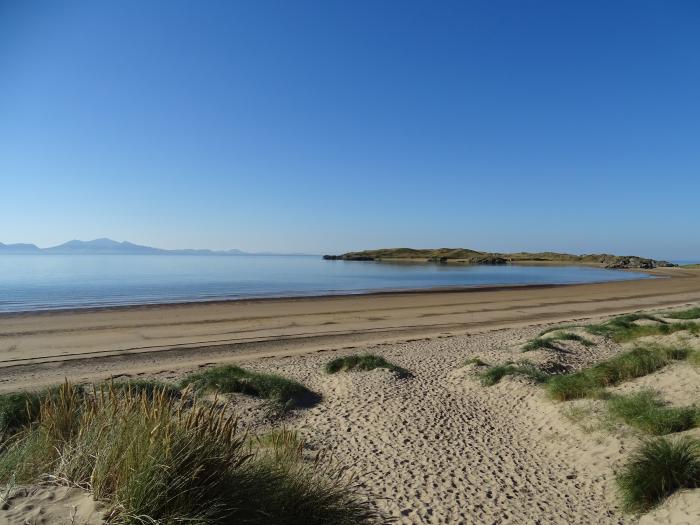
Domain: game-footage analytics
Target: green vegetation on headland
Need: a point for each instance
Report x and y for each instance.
(466, 256)
(156, 459)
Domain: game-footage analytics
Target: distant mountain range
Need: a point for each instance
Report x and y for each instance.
(106, 246)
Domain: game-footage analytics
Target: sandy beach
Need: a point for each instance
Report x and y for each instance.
(438, 447)
(44, 348)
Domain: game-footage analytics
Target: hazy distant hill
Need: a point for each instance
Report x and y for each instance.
(106, 246)
(18, 248)
(102, 246)
(466, 256)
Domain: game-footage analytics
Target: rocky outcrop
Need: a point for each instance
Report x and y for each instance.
(466, 256)
(637, 262)
(349, 258)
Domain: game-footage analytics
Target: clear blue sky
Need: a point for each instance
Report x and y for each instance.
(329, 126)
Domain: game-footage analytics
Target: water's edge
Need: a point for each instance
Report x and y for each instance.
(312, 296)
(39, 283)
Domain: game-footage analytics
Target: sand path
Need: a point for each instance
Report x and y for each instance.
(443, 449)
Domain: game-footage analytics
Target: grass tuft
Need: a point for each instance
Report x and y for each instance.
(540, 343)
(548, 342)
(161, 460)
(625, 328)
(645, 411)
(475, 361)
(691, 313)
(658, 469)
(150, 387)
(558, 328)
(636, 363)
(282, 392)
(19, 409)
(694, 358)
(495, 373)
(363, 362)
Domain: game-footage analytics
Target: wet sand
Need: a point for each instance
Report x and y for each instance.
(45, 347)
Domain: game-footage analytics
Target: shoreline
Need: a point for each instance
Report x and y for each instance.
(44, 348)
(331, 295)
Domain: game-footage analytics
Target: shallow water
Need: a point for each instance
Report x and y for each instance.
(38, 282)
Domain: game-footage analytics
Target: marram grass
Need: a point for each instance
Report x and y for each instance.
(638, 362)
(363, 362)
(690, 313)
(494, 374)
(282, 392)
(18, 409)
(645, 411)
(658, 469)
(549, 342)
(155, 459)
(625, 327)
(150, 387)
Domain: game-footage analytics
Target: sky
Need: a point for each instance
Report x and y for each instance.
(329, 126)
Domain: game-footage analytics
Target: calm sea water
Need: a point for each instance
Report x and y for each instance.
(39, 282)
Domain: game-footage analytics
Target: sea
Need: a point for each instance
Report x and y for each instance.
(53, 282)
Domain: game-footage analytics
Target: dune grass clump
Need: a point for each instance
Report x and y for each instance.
(569, 336)
(636, 363)
(558, 328)
(475, 361)
(495, 373)
(625, 328)
(363, 362)
(18, 409)
(658, 469)
(691, 313)
(280, 391)
(150, 387)
(540, 343)
(645, 411)
(155, 459)
(694, 358)
(548, 342)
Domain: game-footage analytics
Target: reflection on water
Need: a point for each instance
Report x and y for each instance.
(33, 282)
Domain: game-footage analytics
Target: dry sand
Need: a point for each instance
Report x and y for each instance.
(435, 448)
(50, 505)
(442, 448)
